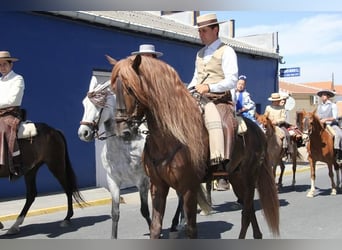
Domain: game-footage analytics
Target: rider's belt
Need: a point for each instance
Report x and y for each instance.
(219, 97)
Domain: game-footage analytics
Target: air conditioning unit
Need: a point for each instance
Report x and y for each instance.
(313, 99)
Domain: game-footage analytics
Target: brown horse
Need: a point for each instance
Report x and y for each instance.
(176, 152)
(48, 146)
(320, 148)
(276, 150)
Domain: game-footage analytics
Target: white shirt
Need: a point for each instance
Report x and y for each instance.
(11, 90)
(229, 67)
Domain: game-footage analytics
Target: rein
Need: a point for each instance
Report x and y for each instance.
(121, 111)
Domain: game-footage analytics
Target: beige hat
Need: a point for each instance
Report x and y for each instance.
(275, 97)
(5, 55)
(207, 19)
(147, 49)
(328, 92)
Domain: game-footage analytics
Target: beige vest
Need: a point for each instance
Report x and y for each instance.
(213, 67)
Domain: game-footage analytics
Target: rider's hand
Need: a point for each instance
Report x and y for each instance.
(202, 88)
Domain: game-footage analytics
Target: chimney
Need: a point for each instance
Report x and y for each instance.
(231, 33)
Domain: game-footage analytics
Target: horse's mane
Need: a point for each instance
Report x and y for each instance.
(176, 113)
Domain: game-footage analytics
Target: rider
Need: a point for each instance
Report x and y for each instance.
(327, 112)
(216, 72)
(147, 50)
(11, 94)
(245, 106)
(276, 112)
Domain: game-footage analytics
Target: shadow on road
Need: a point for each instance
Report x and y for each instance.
(53, 230)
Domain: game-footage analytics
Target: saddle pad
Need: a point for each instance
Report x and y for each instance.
(242, 127)
(26, 130)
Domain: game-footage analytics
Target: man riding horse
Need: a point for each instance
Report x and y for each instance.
(216, 73)
(327, 113)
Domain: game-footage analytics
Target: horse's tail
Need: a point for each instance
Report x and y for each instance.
(203, 201)
(268, 196)
(71, 180)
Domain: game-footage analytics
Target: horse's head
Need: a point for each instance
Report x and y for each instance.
(265, 123)
(310, 122)
(129, 112)
(98, 110)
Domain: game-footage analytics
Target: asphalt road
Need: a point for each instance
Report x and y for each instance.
(300, 217)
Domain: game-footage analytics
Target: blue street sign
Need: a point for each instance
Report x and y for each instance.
(289, 72)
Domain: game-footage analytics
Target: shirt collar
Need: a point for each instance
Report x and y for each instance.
(6, 77)
(214, 45)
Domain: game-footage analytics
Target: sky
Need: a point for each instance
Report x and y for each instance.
(309, 40)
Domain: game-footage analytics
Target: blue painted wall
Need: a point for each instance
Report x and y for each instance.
(57, 57)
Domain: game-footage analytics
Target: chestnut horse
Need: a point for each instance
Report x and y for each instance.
(276, 151)
(320, 148)
(176, 152)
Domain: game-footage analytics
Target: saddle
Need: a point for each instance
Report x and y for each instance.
(26, 129)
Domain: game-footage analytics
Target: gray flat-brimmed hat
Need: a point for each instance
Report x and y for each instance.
(275, 97)
(207, 20)
(147, 49)
(328, 92)
(5, 55)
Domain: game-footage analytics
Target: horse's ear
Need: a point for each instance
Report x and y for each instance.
(111, 60)
(136, 63)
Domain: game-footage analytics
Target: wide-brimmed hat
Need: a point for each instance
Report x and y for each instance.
(147, 49)
(5, 55)
(328, 92)
(275, 97)
(207, 19)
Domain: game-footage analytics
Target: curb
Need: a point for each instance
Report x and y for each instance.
(49, 210)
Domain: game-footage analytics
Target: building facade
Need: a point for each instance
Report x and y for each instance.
(59, 51)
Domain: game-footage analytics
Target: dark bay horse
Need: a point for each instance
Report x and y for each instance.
(176, 152)
(320, 148)
(276, 150)
(48, 146)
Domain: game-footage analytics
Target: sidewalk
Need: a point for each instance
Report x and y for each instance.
(44, 204)
(50, 203)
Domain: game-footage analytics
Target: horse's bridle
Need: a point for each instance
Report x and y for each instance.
(97, 97)
(134, 120)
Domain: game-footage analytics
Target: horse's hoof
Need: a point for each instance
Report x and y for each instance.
(204, 213)
(13, 230)
(310, 195)
(333, 192)
(65, 223)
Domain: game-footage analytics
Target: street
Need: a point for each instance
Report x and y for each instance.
(300, 217)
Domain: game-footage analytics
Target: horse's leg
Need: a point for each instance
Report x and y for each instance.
(332, 181)
(282, 170)
(143, 191)
(175, 220)
(114, 189)
(311, 192)
(159, 195)
(31, 194)
(190, 210)
(294, 165)
(208, 187)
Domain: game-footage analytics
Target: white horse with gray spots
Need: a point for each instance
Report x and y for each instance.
(120, 158)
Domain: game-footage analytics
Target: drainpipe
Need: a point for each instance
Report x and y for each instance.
(231, 33)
